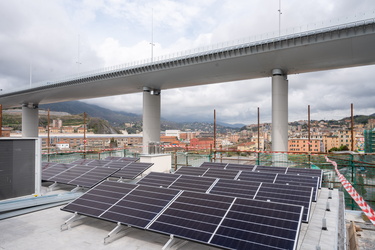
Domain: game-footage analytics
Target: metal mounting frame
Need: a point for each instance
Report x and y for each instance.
(115, 232)
(174, 243)
(72, 219)
(52, 186)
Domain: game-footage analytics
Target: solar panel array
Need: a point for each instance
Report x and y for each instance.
(290, 194)
(257, 173)
(222, 221)
(80, 175)
(87, 173)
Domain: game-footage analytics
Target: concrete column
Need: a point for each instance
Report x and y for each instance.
(151, 117)
(30, 120)
(279, 115)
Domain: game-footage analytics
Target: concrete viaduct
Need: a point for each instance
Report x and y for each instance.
(342, 46)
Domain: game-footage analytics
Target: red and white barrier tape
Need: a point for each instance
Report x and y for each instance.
(353, 193)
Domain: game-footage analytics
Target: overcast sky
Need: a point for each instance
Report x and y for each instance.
(58, 38)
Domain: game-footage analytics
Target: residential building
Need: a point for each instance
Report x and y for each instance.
(202, 142)
(5, 131)
(302, 145)
(174, 133)
(247, 146)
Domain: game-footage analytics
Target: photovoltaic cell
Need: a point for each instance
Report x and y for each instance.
(132, 170)
(235, 188)
(280, 170)
(184, 170)
(82, 162)
(118, 164)
(192, 183)
(221, 173)
(114, 158)
(156, 179)
(213, 165)
(256, 176)
(240, 167)
(98, 163)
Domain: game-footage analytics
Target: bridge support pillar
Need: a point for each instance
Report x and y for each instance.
(151, 117)
(30, 120)
(279, 116)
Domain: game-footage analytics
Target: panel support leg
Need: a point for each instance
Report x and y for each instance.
(75, 189)
(72, 219)
(115, 232)
(173, 242)
(52, 186)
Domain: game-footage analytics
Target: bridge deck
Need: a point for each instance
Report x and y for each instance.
(335, 47)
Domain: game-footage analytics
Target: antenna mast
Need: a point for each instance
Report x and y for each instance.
(279, 10)
(78, 61)
(152, 34)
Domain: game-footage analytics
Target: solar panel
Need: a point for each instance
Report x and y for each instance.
(118, 164)
(97, 163)
(281, 193)
(213, 165)
(184, 170)
(46, 165)
(70, 174)
(252, 224)
(132, 159)
(193, 216)
(192, 183)
(99, 199)
(240, 167)
(156, 179)
(288, 194)
(307, 172)
(256, 176)
(54, 170)
(81, 175)
(140, 206)
(82, 161)
(236, 188)
(93, 176)
(221, 173)
(115, 158)
(132, 170)
(299, 180)
(272, 169)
